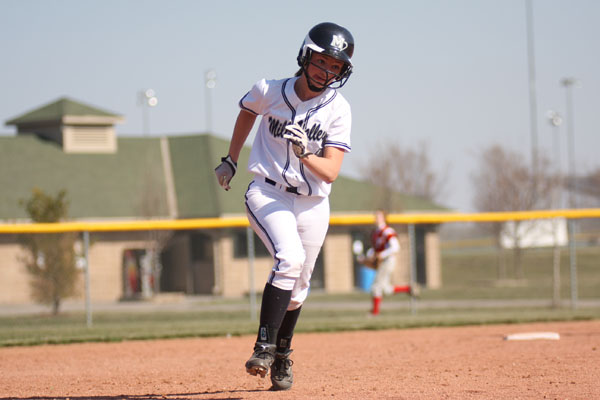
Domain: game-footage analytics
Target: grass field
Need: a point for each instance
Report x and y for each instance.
(469, 285)
(473, 273)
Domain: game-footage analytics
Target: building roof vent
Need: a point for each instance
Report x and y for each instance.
(77, 127)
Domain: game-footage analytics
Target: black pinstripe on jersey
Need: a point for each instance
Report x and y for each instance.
(312, 111)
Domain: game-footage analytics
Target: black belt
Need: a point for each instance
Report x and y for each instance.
(289, 189)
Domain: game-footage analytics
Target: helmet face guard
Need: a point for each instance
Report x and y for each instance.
(331, 40)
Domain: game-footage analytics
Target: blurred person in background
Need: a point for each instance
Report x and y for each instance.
(381, 256)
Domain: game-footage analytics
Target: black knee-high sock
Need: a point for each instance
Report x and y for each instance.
(274, 305)
(286, 331)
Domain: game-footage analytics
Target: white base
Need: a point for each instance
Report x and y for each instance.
(533, 336)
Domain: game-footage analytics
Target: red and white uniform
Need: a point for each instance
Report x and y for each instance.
(292, 225)
(385, 245)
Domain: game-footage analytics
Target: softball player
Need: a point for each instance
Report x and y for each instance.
(297, 153)
(382, 257)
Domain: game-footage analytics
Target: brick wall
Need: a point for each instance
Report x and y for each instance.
(337, 252)
(14, 280)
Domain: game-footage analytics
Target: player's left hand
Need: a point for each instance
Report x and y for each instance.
(296, 135)
(225, 171)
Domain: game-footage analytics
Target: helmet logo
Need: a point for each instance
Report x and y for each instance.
(339, 42)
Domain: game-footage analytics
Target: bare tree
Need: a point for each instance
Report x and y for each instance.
(588, 185)
(504, 181)
(393, 168)
(585, 188)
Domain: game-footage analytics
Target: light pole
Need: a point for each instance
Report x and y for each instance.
(568, 83)
(532, 91)
(555, 120)
(146, 98)
(210, 80)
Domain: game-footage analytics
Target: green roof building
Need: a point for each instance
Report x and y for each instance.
(68, 145)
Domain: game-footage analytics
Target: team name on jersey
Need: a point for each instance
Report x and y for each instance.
(315, 133)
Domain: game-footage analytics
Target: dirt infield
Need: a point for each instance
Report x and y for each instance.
(433, 363)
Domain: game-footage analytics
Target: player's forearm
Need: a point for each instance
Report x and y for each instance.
(385, 253)
(394, 244)
(392, 247)
(241, 130)
(327, 167)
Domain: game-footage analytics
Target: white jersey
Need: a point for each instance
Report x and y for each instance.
(326, 119)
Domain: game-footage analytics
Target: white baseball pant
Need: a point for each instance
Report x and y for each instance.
(293, 229)
(383, 278)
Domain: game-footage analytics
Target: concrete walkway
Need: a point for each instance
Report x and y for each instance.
(208, 303)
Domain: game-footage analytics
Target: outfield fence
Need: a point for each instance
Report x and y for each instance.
(346, 219)
(410, 220)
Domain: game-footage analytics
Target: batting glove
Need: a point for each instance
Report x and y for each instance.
(225, 171)
(297, 137)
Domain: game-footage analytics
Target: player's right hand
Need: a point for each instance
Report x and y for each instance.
(297, 136)
(225, 171)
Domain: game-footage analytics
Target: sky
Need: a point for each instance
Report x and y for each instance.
(453, 74)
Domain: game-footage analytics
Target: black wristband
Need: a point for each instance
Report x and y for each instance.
(230, 162)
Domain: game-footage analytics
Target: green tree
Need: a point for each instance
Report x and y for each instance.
(50, 259)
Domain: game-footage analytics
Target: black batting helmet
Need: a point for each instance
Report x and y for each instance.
(332, 40)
